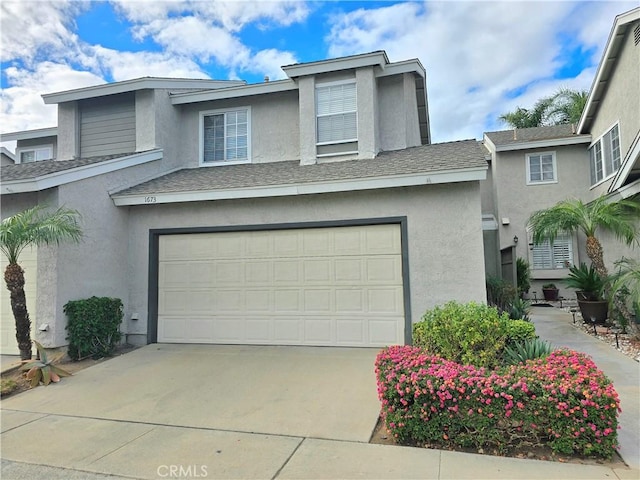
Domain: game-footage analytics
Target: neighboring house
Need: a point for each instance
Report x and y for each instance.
(306, 211)
(534, 168)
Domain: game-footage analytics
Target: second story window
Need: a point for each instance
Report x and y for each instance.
(552, 255)
(336, 113)
(35, 154)
(541, 168)
(225, 136)
(605, 155)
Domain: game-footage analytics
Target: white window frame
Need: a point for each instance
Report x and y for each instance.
(223, 111)
(48, 149)
(602, 163)
(320, 86)
(562, 241)
(554, 166)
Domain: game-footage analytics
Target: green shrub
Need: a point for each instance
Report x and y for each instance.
(519, 330)
(523, 274)
(519, 309)
(93, 326)
(465, 333)
(500, 294)
(527, 349)
(562, 401)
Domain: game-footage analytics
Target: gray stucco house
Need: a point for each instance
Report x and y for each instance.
(534, 168)
(306, 211)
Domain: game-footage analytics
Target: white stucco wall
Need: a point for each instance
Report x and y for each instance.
(274, 128)
(620, 103)
(445, 245)
(516, 200)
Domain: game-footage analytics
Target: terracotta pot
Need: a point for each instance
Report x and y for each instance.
(550, 294)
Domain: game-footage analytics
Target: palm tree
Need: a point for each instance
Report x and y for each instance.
(567, 106)
(34, 226)
(526, 118)
(571, 216)
(564, 106)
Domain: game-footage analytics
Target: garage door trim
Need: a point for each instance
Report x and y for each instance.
(154, 242)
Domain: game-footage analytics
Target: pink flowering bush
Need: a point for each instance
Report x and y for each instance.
(562, 401)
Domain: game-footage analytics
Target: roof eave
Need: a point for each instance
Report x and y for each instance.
(234, 92)
(378, 58)
(56, 179)
(605, 66)
(133, 85)
(547, 143)
(29, 134)
(429, 178)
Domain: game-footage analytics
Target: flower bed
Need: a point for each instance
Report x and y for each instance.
(562, 401)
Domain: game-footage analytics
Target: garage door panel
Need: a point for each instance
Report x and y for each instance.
(258, 300)
(317, 300)
(287, 331)
(385, 301)
(350, 300)
(229, 273)
(287, 272)
(350, 331)
(324, 286)
(384, 269)
(258, 330)
(382, 329)
(259, 272)
(319, 331)
(287, 300)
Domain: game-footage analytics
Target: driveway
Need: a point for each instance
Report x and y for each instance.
(326, 393)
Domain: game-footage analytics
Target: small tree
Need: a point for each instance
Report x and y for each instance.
(34, 226)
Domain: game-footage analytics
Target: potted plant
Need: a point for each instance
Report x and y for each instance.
(550, 292)
(589, 287)
(523, 274)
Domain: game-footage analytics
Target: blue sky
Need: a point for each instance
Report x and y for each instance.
(482, 58)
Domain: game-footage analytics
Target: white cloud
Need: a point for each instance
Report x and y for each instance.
(22, 104)
(475, 54)
(199, 38)
(30, 29)
(230, 15)
(127, 65)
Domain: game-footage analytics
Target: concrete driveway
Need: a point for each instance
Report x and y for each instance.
(312, 392)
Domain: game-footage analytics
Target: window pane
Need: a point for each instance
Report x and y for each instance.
(223, 134)
(28, 156)
(336, 113)
(559, 254)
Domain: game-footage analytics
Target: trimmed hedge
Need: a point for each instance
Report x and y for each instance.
(469, 333)
(520, 330)
(93, 326)
(562, 401)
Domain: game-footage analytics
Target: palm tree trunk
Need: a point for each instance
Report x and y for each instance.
(14, 278)
(594, 252)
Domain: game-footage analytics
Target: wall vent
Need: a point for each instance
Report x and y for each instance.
(636, 35)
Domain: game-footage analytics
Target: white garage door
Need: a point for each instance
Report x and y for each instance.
(320, 286)
(28, 261)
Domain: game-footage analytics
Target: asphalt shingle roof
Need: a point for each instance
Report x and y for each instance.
(26, 171)
(424, 159)
(522, 135)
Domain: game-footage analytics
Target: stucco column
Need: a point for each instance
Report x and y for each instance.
(307, 122)
(367, 96)
(145, 120)
(68, 130)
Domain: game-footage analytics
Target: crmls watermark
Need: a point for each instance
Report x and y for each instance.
(182, 471)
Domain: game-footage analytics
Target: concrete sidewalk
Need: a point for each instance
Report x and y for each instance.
(150, 414)
(555, 325)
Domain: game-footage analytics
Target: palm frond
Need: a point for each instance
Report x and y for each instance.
(38, 226)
